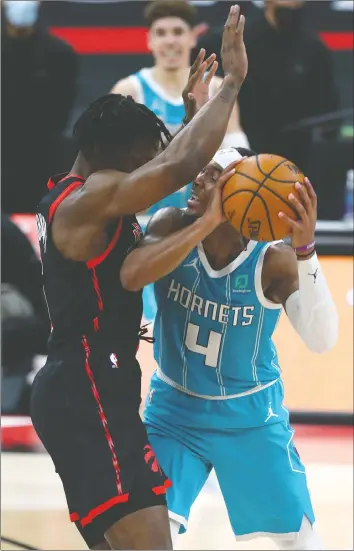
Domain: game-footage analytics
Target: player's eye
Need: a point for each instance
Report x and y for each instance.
(160, 32)
(178, 31)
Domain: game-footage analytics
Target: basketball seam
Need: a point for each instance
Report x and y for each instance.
(259, 187)
(274, 179)
(254, 193)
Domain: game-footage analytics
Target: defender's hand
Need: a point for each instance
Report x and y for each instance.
(303, 230)
(233, 51)
(196, 91)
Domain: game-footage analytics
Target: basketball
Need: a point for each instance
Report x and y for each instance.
(257, 192)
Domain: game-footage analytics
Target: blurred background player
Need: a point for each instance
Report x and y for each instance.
(171, 40)
(216, 400)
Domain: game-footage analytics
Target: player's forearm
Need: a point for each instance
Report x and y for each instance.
(311, 309)
(151, 262)
(196, 144)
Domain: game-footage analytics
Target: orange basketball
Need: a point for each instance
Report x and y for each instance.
(257, 192)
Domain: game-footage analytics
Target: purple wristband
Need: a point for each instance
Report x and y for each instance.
(305, 247)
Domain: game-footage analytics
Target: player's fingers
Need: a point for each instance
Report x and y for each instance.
(301, 210)
(211, 73)
(210, 60)
(196, 77)
(233, 164)
(199, 59)
(304, 196)
(292, 223)
(231, 22)
(241, 26)
(225, 176)
(311, 192)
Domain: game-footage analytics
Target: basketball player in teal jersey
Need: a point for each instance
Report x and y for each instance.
(216, 400)
(171, 40)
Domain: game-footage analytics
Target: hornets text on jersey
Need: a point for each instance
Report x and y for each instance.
(214, 329)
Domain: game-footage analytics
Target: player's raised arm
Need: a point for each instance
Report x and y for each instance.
(108, 194)
(170, 237)
(293, 277)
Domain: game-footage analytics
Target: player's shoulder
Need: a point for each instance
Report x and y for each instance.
(168, 220)
(279, 257)
(126, 86)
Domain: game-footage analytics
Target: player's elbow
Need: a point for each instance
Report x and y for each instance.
(129, 278)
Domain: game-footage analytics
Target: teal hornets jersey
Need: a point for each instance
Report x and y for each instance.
(213, 329)
(171, 112)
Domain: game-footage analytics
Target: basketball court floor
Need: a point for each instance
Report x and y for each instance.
(33, 508)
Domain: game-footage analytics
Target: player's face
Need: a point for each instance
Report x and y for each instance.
(171, 40)
(202, 188)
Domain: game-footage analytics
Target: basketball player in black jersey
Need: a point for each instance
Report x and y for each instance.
(85, 401)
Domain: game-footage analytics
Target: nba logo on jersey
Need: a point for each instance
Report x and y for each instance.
(114, 361)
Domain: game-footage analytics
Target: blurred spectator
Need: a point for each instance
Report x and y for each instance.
(290, 78)
(25, 323)
(171, 40)
(39, 75)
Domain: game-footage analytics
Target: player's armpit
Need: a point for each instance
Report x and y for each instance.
(169, 238)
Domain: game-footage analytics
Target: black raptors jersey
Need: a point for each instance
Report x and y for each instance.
(88, 307)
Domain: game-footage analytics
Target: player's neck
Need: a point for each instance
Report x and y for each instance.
(81, 167)
(222, 246)
(171, 81)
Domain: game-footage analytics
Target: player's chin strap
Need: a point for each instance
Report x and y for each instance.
(142, 331)
(311, 309)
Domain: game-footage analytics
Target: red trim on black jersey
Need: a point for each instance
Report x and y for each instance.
(61, 197)
(102, 417)
(102, 508)
(99, 259)
(159, 490)
(96, 286)
(58, 179)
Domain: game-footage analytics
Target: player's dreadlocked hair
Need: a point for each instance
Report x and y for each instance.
(115, 122)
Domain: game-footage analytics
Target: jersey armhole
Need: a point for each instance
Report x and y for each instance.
(138, 88)
(53, 207)
(258, 280)
(99, 259)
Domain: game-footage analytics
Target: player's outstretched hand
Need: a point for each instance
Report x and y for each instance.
(196, 91)
(303, 230)
(214, 213)
(233, 50)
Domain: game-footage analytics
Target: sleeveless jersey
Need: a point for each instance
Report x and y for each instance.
(213, 329)
(171, 112)
(86, 301)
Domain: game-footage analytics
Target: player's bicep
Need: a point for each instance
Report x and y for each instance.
(163, 223)
(280, 273)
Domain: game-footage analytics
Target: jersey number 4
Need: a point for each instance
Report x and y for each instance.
(211, 351)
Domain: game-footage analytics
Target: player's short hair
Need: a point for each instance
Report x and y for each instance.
(245, 152)
(115, 122)
(170, 8)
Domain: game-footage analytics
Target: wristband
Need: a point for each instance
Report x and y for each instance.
(305, 247)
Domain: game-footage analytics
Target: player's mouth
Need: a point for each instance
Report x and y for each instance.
(193, 202)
